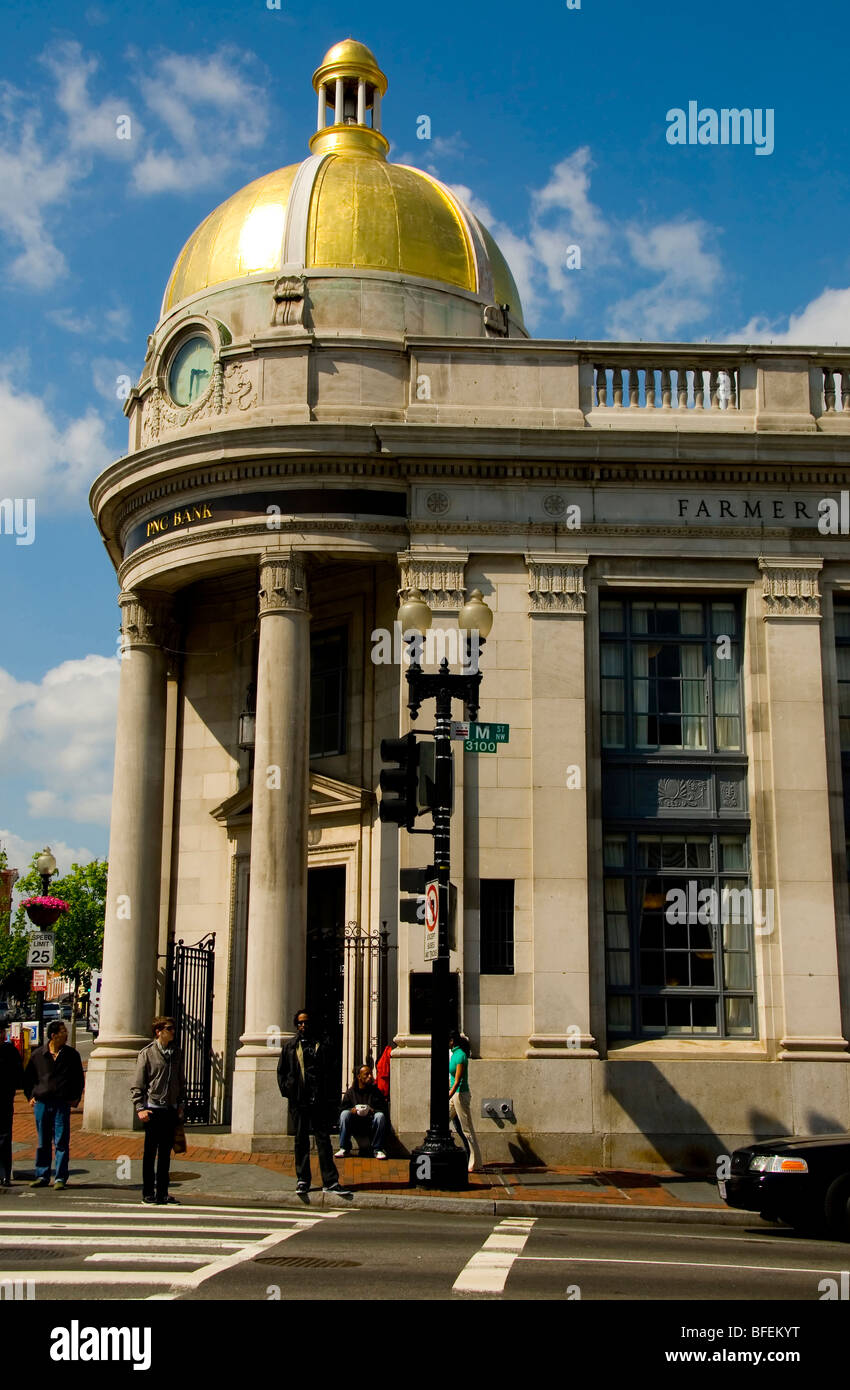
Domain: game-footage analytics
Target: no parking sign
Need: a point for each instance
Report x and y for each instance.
(432, 920)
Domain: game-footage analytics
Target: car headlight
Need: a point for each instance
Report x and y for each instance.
(774, 1163)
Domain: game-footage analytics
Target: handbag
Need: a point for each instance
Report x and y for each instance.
(178, 1144)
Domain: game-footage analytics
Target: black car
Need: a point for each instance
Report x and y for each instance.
(803, 1181)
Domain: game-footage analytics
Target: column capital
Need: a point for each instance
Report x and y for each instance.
(441, 576)
(556, 583)
(283, 583)
(147, 619)
(790, 586)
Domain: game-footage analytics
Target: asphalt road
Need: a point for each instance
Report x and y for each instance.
(71, 1248)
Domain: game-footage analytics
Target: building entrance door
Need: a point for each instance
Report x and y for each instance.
(325, 955)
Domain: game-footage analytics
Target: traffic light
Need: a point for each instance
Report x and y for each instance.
(403, 781)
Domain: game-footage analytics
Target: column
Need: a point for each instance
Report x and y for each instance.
(323, 101)
(338, 106)
(135, 861)
(561, 1017)
(361, 102)
(804, 907)
(277, 911)
(376, 109)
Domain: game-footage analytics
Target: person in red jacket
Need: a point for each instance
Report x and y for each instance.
(382, 1071)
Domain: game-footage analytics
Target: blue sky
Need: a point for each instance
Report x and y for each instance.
(550, 121)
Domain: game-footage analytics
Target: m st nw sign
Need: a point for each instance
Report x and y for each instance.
(485, 738)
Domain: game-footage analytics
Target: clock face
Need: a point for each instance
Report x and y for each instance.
(191, 371)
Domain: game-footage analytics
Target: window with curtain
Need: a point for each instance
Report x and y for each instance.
(671, 675)
(679, 965)
(675, 819)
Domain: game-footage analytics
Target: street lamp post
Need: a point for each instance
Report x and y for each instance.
(439, 1162)
(46, 868)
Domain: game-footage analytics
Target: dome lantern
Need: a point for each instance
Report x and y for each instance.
(350, 82)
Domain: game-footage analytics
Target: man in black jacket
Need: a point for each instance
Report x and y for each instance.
(11, 1080)
(302, 1076)
(53, 1085)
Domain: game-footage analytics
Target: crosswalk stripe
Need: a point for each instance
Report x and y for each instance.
(154, 1239)
(174, 1233)
(121, 1211)
(139, 1258)
(488, 1269)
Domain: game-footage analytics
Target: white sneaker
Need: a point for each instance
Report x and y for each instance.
(379, 1153)
(342, 1153)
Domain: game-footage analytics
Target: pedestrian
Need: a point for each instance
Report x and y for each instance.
(302, 1076)
(459, 1098)
(365, 1109)
(11, 1080)
(159, 1094)
(53, 1084)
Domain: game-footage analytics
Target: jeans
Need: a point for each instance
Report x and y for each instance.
(303, 1116)
(53, 1123)
(347, 1123)
(156, 1160)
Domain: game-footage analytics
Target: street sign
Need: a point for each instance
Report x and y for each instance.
(41, 948)
(485, 738)
(432, 920)
(459, 729)
(94, 1000)
(39, 980)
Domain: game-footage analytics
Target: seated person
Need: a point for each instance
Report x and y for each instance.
(362, 1106)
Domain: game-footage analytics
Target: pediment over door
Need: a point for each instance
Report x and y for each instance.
(328, 797)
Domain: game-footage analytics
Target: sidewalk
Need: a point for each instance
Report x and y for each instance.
(214, 1173)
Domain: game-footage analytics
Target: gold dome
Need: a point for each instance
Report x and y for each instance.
(345, 208)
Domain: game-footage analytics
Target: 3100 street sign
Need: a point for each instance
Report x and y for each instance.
(485, 738)
(42, 945)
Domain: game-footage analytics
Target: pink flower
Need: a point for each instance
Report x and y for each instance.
(46, 902)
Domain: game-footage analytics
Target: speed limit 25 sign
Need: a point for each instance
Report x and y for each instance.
(41, 948)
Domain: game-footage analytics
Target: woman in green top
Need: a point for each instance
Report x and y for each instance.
(459, 1100)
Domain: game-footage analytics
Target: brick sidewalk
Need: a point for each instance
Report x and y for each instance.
(601, 1187)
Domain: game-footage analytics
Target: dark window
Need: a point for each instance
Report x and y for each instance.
(420, 1002)
(497, 926)
(328, 676)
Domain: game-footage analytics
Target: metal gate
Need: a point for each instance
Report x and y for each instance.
(189, 999)
(365, 970)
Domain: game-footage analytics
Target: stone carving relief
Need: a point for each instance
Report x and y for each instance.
(681, 791)
(289, 301)
(556, 586)
(438, 503)
(441, 581)
(790, 589)
(233, 387)
(496, 321)
(283, 583)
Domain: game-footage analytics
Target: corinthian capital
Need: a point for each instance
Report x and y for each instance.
(790, 587)
(283, 583)
(147, 619)
(439, 578)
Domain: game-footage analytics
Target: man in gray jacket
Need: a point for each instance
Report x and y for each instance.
(159, 1093)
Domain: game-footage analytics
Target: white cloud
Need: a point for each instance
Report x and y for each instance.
(33, 183)
(43, 459)
(208, 109)
(690, 275)
(21, 848)
(64, 723)
(825, 320)
(90, 125)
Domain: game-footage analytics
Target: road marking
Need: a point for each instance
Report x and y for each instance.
(488, 1269)
(128, 1257)
(188, 1214)
(675, 1264)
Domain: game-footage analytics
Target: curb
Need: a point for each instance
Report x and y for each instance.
(499, 1206)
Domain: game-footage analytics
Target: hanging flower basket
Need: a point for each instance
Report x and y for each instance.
(43, 912)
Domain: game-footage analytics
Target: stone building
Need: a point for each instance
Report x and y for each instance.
(340, 402)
